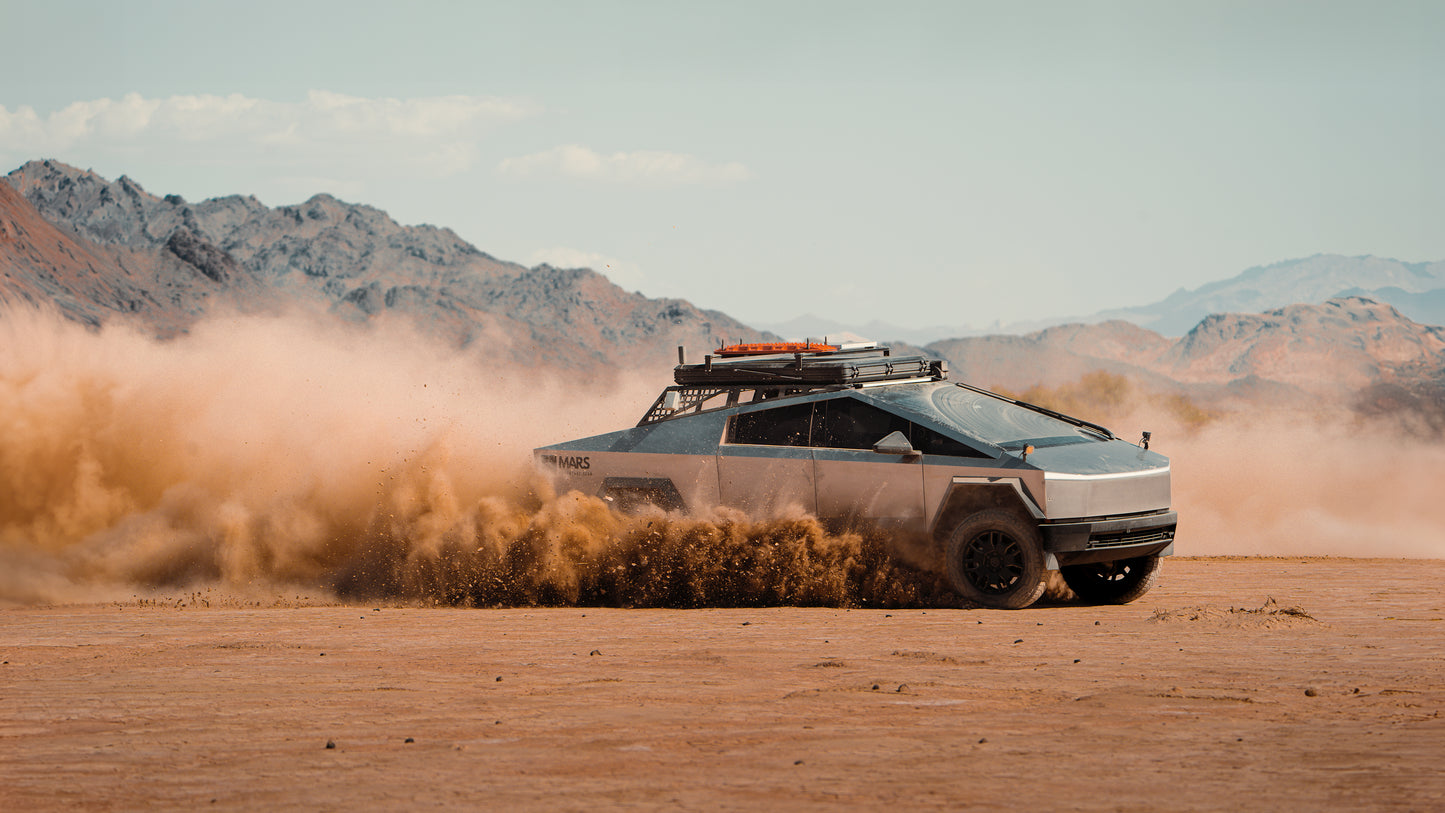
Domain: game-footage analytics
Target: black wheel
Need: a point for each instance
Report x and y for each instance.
(996, 559)
(1117, 582)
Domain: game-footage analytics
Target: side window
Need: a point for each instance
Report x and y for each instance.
(781, 426)
(930, 442)
(850, 424)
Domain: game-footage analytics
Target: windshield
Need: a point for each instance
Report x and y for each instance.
(1005, 424)
(981, 416)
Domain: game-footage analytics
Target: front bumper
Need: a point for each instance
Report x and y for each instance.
(1105, 540)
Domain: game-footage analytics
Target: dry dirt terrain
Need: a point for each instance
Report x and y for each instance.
(1203, 696)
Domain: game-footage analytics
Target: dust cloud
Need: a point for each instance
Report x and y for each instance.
(1327, 485)
(260, 455)
(1251, 480)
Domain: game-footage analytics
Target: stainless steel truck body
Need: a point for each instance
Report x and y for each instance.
(1007, 491)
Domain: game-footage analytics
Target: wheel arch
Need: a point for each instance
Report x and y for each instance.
(968, 496)
(995, 558)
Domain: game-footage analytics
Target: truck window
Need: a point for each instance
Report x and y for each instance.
(780, 426)
(846, 423)
(930, 442)
(851, 424)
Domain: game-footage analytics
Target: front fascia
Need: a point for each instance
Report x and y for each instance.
(1104, 495)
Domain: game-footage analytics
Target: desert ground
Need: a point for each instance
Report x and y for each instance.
(1237, 683)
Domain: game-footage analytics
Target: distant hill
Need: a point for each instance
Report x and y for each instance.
(1337, 351)
(1054, 356)
(1346, 343)
(104, 250)
(1415, 289)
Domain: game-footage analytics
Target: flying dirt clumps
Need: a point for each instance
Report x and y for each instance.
(574, 550)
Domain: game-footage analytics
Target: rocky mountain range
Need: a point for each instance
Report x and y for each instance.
(102, 250)
(45, 263)
(1347, 350)
(1417, 290)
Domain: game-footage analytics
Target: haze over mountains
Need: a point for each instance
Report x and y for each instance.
(101, 251)
(1417, 290)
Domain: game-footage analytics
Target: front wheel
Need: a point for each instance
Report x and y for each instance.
(1117, 582)
(996, 559)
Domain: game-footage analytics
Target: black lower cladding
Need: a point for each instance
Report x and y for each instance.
(629, 494)
(1102, 540)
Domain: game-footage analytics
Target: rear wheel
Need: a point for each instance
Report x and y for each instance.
(996, 559)
(1117, 582)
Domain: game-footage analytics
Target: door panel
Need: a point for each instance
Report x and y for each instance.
(764, 465)
(767, 481)
(855, 481)
(884, 488)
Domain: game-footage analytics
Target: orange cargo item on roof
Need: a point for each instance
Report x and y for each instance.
(775, 347)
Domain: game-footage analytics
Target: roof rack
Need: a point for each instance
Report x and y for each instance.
(825, 368)
(754, 376)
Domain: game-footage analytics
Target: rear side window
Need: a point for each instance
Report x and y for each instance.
(850, 424)
(845, 423)
(780, 426)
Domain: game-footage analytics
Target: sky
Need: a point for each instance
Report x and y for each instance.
(958, 163)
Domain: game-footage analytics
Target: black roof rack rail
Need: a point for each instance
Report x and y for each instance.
(816, 369)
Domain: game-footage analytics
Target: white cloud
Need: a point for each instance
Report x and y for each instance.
(434, 134)
(437, 116)
(642, 166)
(622, 273)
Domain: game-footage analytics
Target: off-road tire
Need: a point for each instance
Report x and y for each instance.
(996, 559)
(1117, 582)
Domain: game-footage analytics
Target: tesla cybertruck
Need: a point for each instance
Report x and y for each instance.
(1006, 491)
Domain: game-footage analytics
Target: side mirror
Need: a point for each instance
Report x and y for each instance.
(894, 443)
